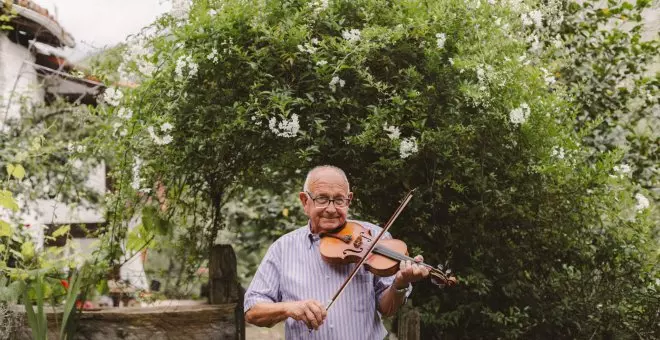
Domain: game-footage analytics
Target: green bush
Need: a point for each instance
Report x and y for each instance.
(548, 239)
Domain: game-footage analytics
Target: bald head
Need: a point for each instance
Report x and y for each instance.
(321, 171)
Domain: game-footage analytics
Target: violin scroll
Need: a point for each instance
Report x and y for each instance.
(442, 278)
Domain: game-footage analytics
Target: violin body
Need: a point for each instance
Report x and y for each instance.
(351, 242)
(335, 249)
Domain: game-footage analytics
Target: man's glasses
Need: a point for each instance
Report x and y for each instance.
(324, 202)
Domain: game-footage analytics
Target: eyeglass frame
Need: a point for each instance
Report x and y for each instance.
(330, 200)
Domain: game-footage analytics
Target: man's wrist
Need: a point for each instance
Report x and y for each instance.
(400, 288)
(286, 309)
(400, 285)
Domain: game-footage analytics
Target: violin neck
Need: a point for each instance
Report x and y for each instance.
(433, 271)
(380, 250)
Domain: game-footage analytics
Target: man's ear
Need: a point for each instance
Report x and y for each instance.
(303, 198)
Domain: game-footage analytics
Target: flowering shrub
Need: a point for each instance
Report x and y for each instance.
(450, 97)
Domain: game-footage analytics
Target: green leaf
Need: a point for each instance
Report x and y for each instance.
(153, 223)
(61, 231)
(7, 200)
(71, 296)
(27, 250)
(19, 172)
(5, 229)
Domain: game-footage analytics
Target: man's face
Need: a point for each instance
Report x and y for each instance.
(325, 183)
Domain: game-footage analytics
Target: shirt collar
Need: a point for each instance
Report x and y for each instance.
(312, 238)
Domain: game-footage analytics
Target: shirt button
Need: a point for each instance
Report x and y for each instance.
(327, 277)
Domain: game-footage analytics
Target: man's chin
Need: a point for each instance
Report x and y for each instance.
(330, 225)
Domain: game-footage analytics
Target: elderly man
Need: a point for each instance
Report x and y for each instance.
(293, 279)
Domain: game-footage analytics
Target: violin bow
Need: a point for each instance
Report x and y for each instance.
(371, 248)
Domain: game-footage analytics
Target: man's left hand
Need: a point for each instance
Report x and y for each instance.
(410, 272)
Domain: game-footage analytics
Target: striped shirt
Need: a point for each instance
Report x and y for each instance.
(293, 270)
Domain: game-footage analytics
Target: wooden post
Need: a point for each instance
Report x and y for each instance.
(223, 283)
(409, 325)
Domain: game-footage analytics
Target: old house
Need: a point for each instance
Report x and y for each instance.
(33, 73)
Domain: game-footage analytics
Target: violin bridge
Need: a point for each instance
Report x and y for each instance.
(358, 242)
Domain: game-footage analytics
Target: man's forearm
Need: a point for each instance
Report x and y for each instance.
(267, 314)
(390, 301)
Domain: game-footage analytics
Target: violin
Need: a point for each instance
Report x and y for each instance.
(350, 243)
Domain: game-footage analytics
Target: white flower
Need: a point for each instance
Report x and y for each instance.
(285, 128)
(123, 132)
(321, 63)
(441, 38)
(519, 115)
(492, 2)
(166, 127)
(481, 75)
(192, 67)
(157, 139)
(336, 80)
(308, 48)
(213, 56)
(116, 126)
(537, 17)
(135, 183)
(392, 131)
(526, 20)
(112, 96)
(408, 147)
(185, 62)
(451, 61)
(124, 113)
(165, 140)
(549, 79)
(319, 5)
(137, 52)
(152, 134)
(212, 12)
(558, 152)
(622, 169)
(642, 202)
(352, 36)
(537, 46)
(557, 41)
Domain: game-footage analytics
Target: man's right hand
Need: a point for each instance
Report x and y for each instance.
(311, 312)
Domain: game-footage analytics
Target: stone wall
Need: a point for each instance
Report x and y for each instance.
(197, 322)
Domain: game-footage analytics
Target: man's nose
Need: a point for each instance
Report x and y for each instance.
(331, 207)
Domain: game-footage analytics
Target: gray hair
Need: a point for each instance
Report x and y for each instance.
(322, 167)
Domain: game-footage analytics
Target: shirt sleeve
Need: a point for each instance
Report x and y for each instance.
(265, 286)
